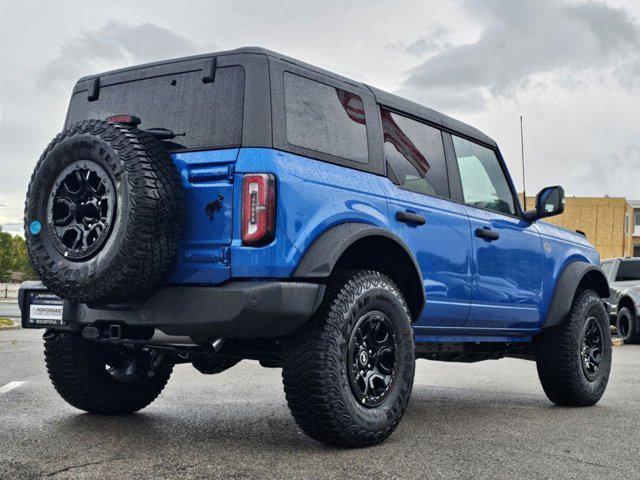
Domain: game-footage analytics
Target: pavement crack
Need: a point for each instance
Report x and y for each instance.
(81, 465)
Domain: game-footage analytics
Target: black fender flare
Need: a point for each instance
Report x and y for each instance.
(573, 275)
(322, 256)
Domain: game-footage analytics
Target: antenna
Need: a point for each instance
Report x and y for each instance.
(524, 183)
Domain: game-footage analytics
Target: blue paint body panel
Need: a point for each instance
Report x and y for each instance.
(443, 249)
(507, 274)
(476, 291)
(204, 251)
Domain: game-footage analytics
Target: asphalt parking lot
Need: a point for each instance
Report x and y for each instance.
(486, 420)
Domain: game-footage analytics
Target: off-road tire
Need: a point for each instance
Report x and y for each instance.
(142, 241)
(558, 355)
(627, 331)
(315, 372)
(77, 371)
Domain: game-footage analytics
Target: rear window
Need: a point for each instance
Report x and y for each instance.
(325, 119)
(209, 114)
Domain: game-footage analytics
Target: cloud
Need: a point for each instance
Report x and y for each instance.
(113, 45)
(589, 173)
(435, 41)
(559, 41)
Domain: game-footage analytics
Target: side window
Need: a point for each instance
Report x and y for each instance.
(628, 270)
(325, 119)
(484, 184)
(414, 154)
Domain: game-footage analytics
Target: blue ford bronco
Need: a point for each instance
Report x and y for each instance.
(246, 205)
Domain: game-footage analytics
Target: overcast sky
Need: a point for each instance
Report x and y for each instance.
(572, 68)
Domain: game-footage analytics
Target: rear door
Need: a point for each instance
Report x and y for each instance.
(507, 250)
(421, 213)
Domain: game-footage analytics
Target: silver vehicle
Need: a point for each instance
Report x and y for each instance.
(624, 283)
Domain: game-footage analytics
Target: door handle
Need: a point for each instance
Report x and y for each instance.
(487, 234)
(410, 217)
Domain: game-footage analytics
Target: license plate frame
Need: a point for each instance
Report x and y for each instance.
(44, 309)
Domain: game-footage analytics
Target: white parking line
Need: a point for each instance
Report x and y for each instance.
(10, 386)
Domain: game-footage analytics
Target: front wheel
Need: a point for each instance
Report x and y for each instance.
(626, 323)
(348, 373)
(102, 378)
(574, 358)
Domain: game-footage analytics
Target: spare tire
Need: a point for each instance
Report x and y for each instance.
(103, 213)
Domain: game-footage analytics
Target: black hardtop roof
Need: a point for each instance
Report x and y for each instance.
(384, 98)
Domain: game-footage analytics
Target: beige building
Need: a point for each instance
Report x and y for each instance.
(612, 224)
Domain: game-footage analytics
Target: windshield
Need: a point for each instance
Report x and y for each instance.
(628, 270)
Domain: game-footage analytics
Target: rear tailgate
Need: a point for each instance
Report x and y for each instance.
(207, 113)
(203, 253)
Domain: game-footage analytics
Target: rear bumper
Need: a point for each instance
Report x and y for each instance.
(235, 310)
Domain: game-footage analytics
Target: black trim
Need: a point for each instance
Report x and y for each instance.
(94, 89)
(241, 309)
(567, 286)
(320, 259)
(209, 70)
(411, 218)
(453, 173)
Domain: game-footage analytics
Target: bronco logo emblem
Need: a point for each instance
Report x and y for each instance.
(214, 207)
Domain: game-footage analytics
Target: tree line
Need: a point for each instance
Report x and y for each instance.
(14, 257)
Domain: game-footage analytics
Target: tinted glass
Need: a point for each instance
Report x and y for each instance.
(325, 119)
(484, 184)
(209, 114)
(414, 154)
(628, 270)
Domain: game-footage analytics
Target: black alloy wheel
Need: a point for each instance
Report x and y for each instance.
(80, 209)
(591, 349)
(371, 359)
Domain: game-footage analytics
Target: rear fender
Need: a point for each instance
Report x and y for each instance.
(327, 251)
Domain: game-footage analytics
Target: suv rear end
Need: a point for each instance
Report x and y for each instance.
(210, 112)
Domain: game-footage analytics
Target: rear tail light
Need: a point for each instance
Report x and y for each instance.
(258, 208)
(130, 120)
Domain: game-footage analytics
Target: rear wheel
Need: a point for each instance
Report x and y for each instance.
(348, 374)
(102, 378)
(626, 322)
(574, 358)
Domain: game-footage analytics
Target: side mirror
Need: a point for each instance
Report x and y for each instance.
(549, 202)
